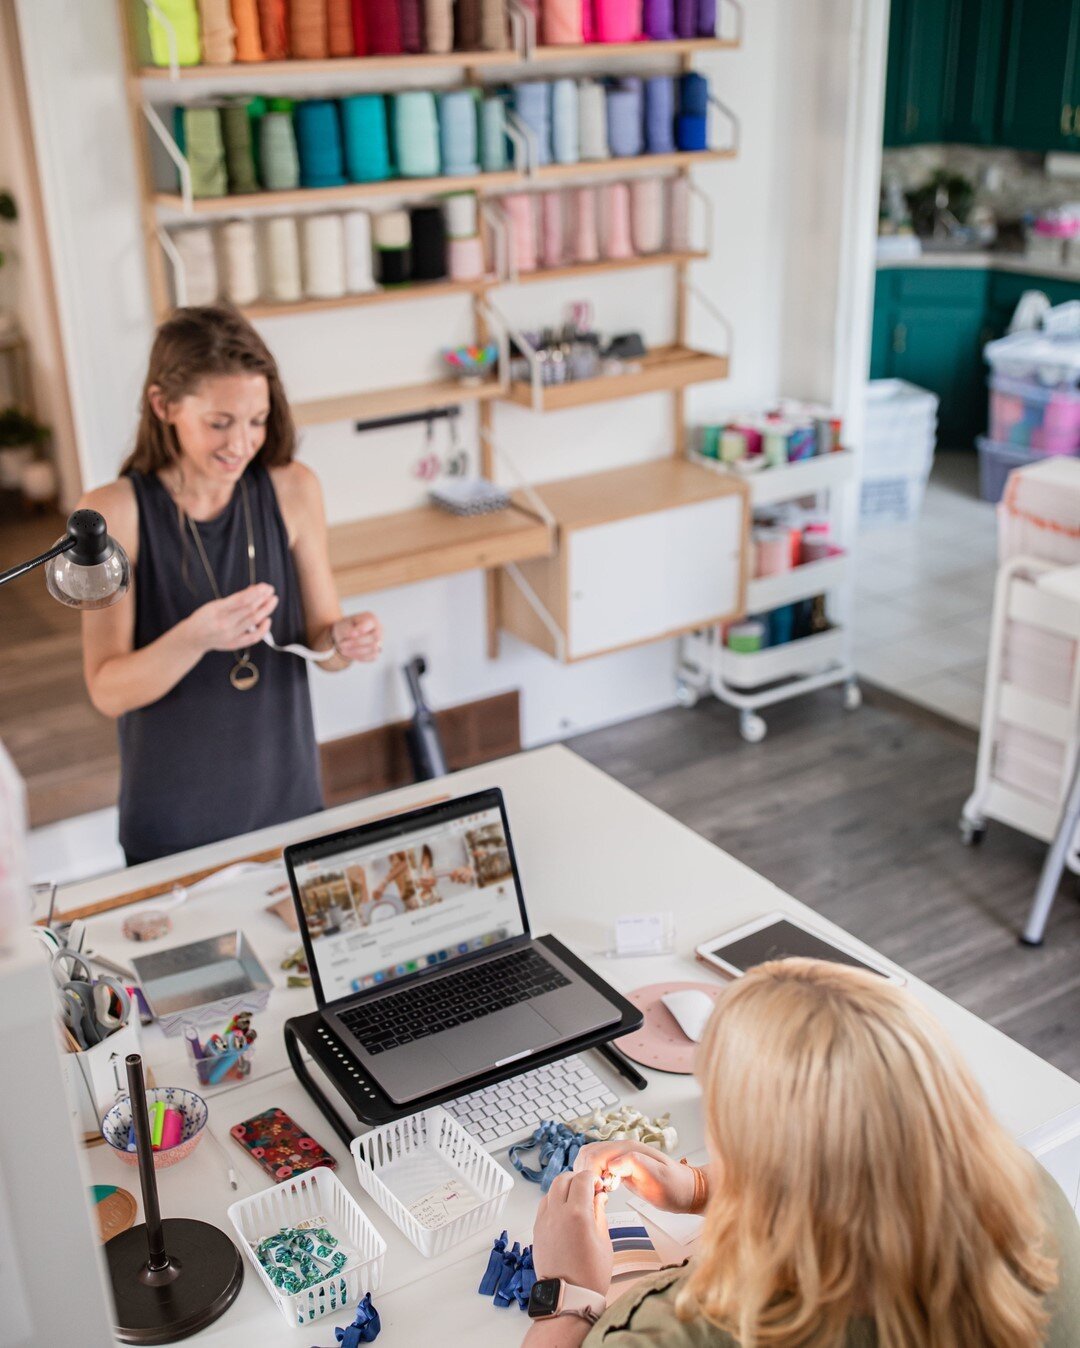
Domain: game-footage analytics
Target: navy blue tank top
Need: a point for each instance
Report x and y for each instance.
(208, 761)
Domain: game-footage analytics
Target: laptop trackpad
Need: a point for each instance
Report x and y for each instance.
(484, 1042)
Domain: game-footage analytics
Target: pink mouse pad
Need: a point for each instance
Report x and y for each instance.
(660, 1043)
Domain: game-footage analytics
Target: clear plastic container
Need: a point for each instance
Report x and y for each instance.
(996, 462)
(1024, 412)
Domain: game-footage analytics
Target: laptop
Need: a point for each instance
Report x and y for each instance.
(420, 952)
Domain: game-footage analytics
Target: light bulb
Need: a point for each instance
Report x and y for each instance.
(97, 586)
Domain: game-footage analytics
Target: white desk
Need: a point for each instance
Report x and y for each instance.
(588, 850)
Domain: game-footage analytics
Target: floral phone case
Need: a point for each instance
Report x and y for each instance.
(280, 1145)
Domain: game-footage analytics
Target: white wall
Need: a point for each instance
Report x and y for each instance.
(75, 66)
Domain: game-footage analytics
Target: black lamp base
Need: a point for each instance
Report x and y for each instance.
(200, 1282)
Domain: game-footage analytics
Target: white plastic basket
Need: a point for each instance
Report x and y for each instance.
(900, 430)
(403, 1162)
(317, 1193)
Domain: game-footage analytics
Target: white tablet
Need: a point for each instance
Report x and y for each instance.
(775, 937)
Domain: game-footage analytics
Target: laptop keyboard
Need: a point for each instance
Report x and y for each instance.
(454, 999)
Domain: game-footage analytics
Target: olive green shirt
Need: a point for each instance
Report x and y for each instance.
(645, 1316)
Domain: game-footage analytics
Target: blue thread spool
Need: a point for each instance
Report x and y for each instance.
(660, 115)
(625, 138)
(416, 134)
(691, 133)
(693, 95)
(565, 142)
(318, 135)
(367, 141)
(532, 103)
(493, 152)
(781, 625)
(458, 133)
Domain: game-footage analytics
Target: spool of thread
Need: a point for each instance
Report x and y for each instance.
(746, 637)
(241, 261)
(686, 18)
(245, 17)
(218, 33)
(647, 214)
(520, 209)
(816, 543)
(198, 257)
(565, 135)
(412, 26)
(586, 242)
(465, 258)
(428, 226)
(532, 103)
(318, 135)
(273, 29)
(339, 28)
(359, 27)
(660, 115)
(617, 241)
(774, 444)
(493, 151)
(592, 121)
(183, 16)
(359, 276)
(281, 251)
(691, 132)
(493, 36)
(393, 238)
(617, 20)
(308, 35)
(416, 134)
(658, 20)
(367, 140)
(439, 26)
(239, 152)
(732, 446)
(279, 160)
(625, 139)
(461, 213)
(562, 24)
(205, 151)
(382, 20)
(772, 554)
(324, 256)
(693, 94)
(467, 23)
(706, 18)
(552, 230)
(679, 215)
(782, 625)
(457, 136)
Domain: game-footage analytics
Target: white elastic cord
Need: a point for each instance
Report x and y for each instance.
(304, 652)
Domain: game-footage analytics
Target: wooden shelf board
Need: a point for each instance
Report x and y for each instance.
(327, 196)
(586, 51)
(606, 168)
(420, 544)
(576, 269)
(638, 489)
(391, 402)
(339, 65)
(663, 368)
(421, 290)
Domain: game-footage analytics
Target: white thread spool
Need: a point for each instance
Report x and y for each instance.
(592, 121)
(647, 214)
(392, 229)
(679, 215)
(281, 253)
(324, 256)
(198, 258)
(241, 261)
(461, 213)
(359, 278)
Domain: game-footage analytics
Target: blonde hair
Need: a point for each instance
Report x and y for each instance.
(861, 1176)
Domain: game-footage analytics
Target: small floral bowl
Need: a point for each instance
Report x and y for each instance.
(192, 1107)
(471, 364)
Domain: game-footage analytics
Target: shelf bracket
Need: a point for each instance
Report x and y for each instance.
(176, 262)
(539, 608)
(740, 18)
(732, 119)
(154, 9)
(716, 314)
(497, 322)
(524, 485)
(522, 28)
(709, 210)
(171, 148)
(504, 263)
(524, 141)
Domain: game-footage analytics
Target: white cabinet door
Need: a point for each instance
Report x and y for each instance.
(638, 579)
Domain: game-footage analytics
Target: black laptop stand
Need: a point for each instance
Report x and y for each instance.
(372, 1106)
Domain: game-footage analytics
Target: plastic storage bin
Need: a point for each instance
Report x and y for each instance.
(898, 450)
(996, 462)
(318, 1193)
(404, 1162)
(1026, 413)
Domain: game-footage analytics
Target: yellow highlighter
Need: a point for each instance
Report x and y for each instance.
(157, 1123)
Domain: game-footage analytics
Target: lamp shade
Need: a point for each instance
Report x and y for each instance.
(93, 571)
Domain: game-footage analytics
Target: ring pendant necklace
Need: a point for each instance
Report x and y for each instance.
(244, 674)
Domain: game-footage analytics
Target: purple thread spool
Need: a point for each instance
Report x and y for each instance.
(706, 18)
(686, 18)
(658, 20)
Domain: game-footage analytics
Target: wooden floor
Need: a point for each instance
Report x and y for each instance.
(856, 815)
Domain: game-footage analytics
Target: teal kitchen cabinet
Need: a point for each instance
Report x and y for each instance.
(972, 76)
(914, 80)
(1040, 96)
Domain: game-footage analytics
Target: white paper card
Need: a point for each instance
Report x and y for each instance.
(644, 934)
(444, 1204)
(682, 1227)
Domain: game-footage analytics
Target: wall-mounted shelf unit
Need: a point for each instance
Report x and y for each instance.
(404, 294)
(339, 66)
(663, 369)
(617, 51)
(575, 269)
(391, 402)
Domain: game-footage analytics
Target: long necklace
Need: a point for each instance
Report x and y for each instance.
(244, 673)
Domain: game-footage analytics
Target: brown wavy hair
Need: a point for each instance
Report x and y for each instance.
(196, 344)
(860, 1176)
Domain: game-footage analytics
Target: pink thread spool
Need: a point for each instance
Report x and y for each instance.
(465, 258)
(617, 20)
(772, 552)
(647, 214)
(553, 241)
(617, 242)
(586, 244)
(563, 23)
(520, 208)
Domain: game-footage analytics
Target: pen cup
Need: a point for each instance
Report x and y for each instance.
(215, 1066)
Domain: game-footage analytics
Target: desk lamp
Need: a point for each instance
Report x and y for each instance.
(171, 1277)
(84, 569)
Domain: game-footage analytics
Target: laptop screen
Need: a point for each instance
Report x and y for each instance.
(379, 910)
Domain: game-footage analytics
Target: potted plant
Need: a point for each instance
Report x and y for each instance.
(20, 438)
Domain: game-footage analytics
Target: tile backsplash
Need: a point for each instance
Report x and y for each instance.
(1010, 182)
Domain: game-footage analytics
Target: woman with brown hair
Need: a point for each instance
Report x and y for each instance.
(859, 1194)
(227, 539)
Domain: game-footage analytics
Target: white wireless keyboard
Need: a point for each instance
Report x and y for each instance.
(512, 1110)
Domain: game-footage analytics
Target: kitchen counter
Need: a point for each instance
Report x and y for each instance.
(1017, 263)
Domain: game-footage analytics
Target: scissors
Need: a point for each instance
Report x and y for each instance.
(77, 1010)
(74, 939)
(93, 1008)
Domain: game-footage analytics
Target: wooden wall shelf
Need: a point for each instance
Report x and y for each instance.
(421, 290)
(421, 544)
(665, 368)
(332, 196)
(575, 269)
(391, 402)
(339, 65)
(608, 168)
(598, 51)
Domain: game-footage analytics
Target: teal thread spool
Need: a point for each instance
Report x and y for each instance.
(367, 138)
(458, 133)
(416, 134)
(493, 146)
(318, 135)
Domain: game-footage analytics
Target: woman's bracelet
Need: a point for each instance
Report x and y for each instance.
(700, 1200)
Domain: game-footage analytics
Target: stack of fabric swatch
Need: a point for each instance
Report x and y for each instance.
(222, 32)
(288, 259)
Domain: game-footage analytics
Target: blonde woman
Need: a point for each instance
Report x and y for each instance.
(859, 1195)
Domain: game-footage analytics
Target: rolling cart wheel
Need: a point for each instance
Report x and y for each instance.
(852, 696)
(685, 694)
(752, 727)
(971, 833)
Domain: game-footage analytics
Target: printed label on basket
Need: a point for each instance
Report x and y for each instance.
(444, 1204)
(632, 1245)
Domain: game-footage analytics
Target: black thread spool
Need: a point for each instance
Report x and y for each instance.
(391, 233)
(428, 243)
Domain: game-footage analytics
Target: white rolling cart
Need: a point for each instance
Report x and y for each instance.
(752, 681)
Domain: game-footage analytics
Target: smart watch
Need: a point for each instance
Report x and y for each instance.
(551, 1297)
